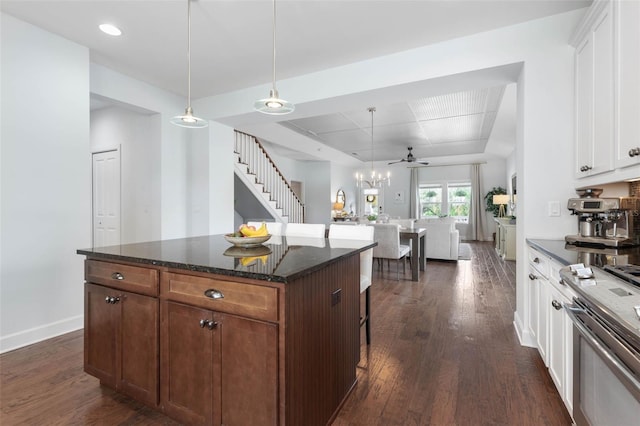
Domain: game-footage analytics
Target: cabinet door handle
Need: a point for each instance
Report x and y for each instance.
(532, 277)
(117, 276)
(210, 324)
(556, 305)
(214, 294)
(112, 300)
(634, 151)
(536, 260)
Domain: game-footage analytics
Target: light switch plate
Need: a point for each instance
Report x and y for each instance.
(554, 208)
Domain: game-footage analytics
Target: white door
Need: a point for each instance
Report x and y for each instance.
(106, 198)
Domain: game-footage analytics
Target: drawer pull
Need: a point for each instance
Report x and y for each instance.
(214, 294)
(556, 305)
(112, 300)
(210, 324)
(536, 260)
(117, 276)
(532, 277)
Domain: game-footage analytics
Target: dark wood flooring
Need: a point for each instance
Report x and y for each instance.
(443, 352)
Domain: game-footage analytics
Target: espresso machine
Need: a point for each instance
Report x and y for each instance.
(605, 222)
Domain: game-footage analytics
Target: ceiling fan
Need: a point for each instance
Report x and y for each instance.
(410, 159)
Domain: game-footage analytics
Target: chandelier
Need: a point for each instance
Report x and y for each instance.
(376, 180)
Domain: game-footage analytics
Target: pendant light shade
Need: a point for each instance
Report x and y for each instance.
(273, 104)
(188, 119)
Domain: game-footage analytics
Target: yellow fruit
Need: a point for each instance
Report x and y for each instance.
(246, 261)
(250, 231)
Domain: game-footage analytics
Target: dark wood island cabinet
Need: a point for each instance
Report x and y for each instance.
(214, 336)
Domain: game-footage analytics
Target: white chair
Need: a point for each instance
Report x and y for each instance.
(274, 228)
(442, 239)
(339, 236)
(311, 230)
(387, 235)
(404, 223)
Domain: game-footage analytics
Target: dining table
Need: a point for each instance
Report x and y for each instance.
(418, 237)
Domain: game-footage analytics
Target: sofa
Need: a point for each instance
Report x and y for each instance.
(442, 239)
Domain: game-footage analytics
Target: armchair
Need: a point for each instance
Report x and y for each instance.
(442, 240)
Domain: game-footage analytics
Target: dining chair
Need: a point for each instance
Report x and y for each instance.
(338, 235)
(387, 235)
(274, 228)
(404, 223)
(312, 230)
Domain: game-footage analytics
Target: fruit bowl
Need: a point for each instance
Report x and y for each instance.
(246, 241)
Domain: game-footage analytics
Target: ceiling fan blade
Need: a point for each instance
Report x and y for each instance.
(396, 162)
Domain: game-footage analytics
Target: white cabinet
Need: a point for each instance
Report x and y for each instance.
(627, 78)
(505, 239)
(549, 323)
(594, 97)
(560, 347)
(538, 300)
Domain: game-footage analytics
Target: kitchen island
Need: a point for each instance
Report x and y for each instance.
(209, 333)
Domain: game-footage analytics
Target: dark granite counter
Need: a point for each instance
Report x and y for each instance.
(280, 259)
(568, 254)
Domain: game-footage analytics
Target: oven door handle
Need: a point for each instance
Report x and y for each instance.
(607, 355)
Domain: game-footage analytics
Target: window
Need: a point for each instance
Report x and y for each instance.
(456, 203)
(431, 200)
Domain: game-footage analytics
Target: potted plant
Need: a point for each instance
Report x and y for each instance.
(372, 218)
(494, 208)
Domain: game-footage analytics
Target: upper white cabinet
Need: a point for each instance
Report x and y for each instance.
(594, 95)
(607, 79)
(627, 77)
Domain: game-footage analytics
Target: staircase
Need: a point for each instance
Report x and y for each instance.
(259, 173)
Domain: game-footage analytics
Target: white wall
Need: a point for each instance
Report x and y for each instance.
(317, 182)
(170, 141)
(134, 134)
(46, 183)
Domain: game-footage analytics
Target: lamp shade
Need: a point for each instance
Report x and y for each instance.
(338, 206)
(501, 199)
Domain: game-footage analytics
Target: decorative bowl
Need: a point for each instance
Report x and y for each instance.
(246, 241)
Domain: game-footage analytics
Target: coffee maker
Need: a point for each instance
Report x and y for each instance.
(605, 222)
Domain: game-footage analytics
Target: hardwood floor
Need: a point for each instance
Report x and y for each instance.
(443, 352)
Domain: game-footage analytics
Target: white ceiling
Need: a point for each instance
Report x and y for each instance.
(231, 49)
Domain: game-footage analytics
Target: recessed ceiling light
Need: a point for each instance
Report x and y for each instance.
(110, 29)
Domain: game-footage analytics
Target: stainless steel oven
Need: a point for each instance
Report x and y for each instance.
(606, 368)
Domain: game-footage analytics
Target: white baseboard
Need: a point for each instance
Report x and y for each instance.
(525, 338)
(38, 334)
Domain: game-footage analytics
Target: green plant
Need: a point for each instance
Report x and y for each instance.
(431, 194)
(372, 217)
(493, 208)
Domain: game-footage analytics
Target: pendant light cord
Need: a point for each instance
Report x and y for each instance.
(188, 53)
(372, 110)
(274, 45)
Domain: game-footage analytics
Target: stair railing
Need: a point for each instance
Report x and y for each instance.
(259, 163)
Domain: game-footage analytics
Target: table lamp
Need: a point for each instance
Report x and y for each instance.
(501, 200)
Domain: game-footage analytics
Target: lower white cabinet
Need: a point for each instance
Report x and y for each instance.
(560, 353)
(549, 323)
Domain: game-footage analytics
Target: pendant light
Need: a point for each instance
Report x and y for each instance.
(188, 119)
(273, 104)
(376, 180)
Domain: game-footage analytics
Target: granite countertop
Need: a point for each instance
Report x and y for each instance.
(568, 254)
(280, 259)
